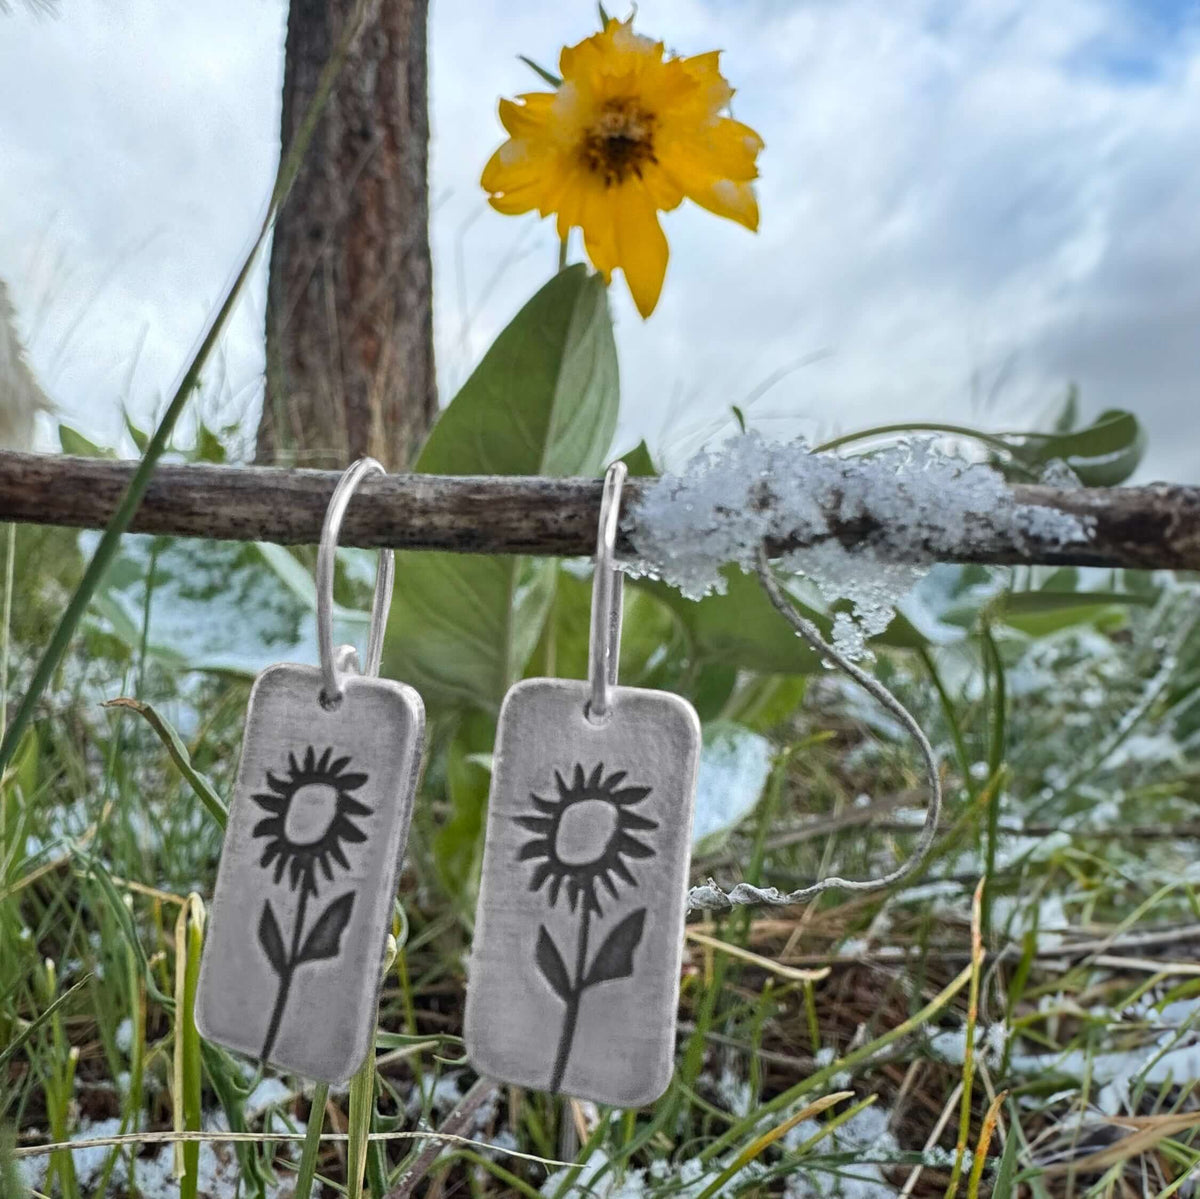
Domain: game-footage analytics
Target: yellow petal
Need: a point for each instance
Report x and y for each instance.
(668, 89)
(514, 165)
(585, 57)
(528, 114)
(599, 231)
(617, 49)
(720, 149)
(662, 188)
(714, 167)
(515, 203)
(624, 40)
(571, 203)
(641, 246)
(735, 201)
(705, 69)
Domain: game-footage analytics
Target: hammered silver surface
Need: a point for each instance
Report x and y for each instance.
(331, 793)
(581, 997)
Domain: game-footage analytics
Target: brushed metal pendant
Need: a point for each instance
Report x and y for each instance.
(291, 969)
(292, 961)
(574, 975)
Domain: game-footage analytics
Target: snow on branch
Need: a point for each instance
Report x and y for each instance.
(863, 528)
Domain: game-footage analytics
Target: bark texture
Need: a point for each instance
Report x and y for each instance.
(1153, 527)
(349, 316)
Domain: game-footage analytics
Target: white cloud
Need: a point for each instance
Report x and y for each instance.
(954, 196)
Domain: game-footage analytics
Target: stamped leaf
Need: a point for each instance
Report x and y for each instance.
(615, 959)
(325, 938)
(550, 963)
(271, 939)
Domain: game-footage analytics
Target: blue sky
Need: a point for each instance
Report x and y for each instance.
(965, 206)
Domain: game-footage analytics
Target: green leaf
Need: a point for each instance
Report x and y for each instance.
(1102, 454)
(1039, 613)
(209, 447)
(542, 402)
(74, 442)
(1068, 415)
(763, 702)
(549, 76)
(544, 399)
(639, 462)
(712, 687)
(901, 633)
(654, 648)
(141, 438)
(741, 628)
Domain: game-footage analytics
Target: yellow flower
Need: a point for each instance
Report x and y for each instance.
(627, 133)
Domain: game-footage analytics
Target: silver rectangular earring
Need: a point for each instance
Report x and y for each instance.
(317, 828)
(574, 974)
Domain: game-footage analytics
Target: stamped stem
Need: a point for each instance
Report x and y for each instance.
(572, 1015)
(285, 979)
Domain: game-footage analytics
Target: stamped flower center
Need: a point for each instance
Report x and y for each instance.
(312, 810)
(620, 142)
(584, 832)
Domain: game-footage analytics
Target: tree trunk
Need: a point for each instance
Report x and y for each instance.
(349, 313)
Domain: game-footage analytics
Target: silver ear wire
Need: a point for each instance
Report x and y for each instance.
(604, 646)
(336, 663)
(712, 897)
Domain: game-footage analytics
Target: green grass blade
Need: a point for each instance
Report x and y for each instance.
(1004, 1186)
(185, 1089)
(819, 1078)
(362, 1104)
(312, 1143)
(205, 791)
(11, 1049)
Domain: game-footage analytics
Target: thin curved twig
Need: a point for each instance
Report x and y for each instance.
(453, 1126)
(711, 897)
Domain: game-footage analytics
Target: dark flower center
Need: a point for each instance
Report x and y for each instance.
(584, 831)
(311, 812)
(620, 143)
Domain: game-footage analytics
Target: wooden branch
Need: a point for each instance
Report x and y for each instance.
(1154, 527)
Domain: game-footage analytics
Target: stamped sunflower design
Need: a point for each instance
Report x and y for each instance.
(309, 818)
(308, 825)
(585, 838)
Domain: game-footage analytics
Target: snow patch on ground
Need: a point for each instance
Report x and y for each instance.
(689, 1179)
(218, 1175)
(865, 1134)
